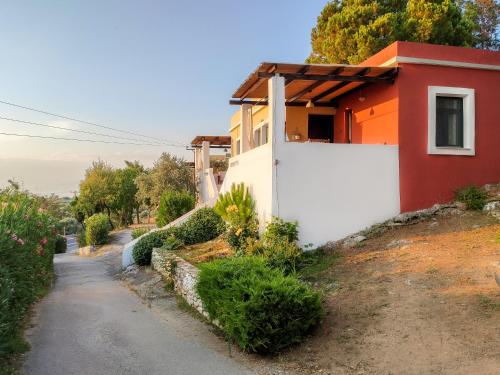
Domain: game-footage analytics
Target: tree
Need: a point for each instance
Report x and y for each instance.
(98, 189)
(349, 31)
(168, 173)
(125, 198)
(484, 16)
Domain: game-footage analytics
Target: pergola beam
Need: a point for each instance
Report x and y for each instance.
(329, 77)
(331, 90)
(288, 104)
(313, 86)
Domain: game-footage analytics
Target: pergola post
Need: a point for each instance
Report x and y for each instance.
(277, 111)
(205, 155)
(246, 127)
(277, 117)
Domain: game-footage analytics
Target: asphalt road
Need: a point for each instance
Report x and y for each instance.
(91, 324)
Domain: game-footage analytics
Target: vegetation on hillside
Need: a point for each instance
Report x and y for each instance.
(125, 194)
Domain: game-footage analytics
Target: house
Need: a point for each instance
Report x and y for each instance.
(341, 147)
(208, 180)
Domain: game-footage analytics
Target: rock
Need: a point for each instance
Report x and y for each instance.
(352, 241)
(461, 205)
(398, 243)
(492, 206)
(132, 269)
(86, 251)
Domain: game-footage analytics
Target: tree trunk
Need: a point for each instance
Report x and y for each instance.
(137, 215)
(109, 217)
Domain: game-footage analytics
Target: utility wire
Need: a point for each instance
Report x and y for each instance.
(79, 131)
(90, 123)
(81, 140)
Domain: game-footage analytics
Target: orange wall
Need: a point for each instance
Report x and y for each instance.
(375, 120)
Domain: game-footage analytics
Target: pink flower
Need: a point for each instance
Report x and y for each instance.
(40, 250)
(43, 241)
(20, 242)
(14, 237)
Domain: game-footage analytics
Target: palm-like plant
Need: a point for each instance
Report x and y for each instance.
(236, 206)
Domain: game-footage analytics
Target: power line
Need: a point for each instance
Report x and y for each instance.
(88, 123)
(77, 131)
(82, 140)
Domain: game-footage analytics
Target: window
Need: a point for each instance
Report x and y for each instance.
(260, 135)
(451, 122)
(238, 147)
(264, 134)
(256, 137)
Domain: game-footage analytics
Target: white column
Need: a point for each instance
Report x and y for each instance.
(277, 112)
(246, 127)
(205, 155)
(277, 117)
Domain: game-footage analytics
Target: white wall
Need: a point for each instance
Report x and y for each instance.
(334, 190)
(254, 168)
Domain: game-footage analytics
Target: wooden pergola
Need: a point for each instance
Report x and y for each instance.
(306, 84)
(215, 141)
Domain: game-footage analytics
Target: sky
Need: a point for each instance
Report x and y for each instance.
(165, 69)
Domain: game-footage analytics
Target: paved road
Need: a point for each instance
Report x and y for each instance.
(91, 324)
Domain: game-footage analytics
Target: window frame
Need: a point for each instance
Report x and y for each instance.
(467, 95)
(262, 125)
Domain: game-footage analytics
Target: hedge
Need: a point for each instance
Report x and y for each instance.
(258, 307)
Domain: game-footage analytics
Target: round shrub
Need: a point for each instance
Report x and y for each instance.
(96, 229)
(144, 247)
(61, 245)
(204, 225)
(173, 204)
(137, 232)
(259, 308)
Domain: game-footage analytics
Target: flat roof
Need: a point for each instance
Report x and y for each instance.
(319, 83)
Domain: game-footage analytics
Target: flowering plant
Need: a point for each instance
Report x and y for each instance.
(26, 252)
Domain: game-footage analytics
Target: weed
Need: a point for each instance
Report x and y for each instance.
(313, 264)
(473, 197)
(487, 304)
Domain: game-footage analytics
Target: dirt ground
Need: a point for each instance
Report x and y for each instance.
(419, 299)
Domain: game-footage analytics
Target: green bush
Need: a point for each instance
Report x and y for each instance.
(237, 209)
(81, 238)
(61, 245)
(259, 308)
(27, 237)
(278, 230)
(204, 225)
(137, 232)
(96, 229)
(473, 197)
(173, 204)
(144, 247)
(278, 246)
(172, 243)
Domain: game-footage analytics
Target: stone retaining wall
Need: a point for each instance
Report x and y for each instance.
(181, 274)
